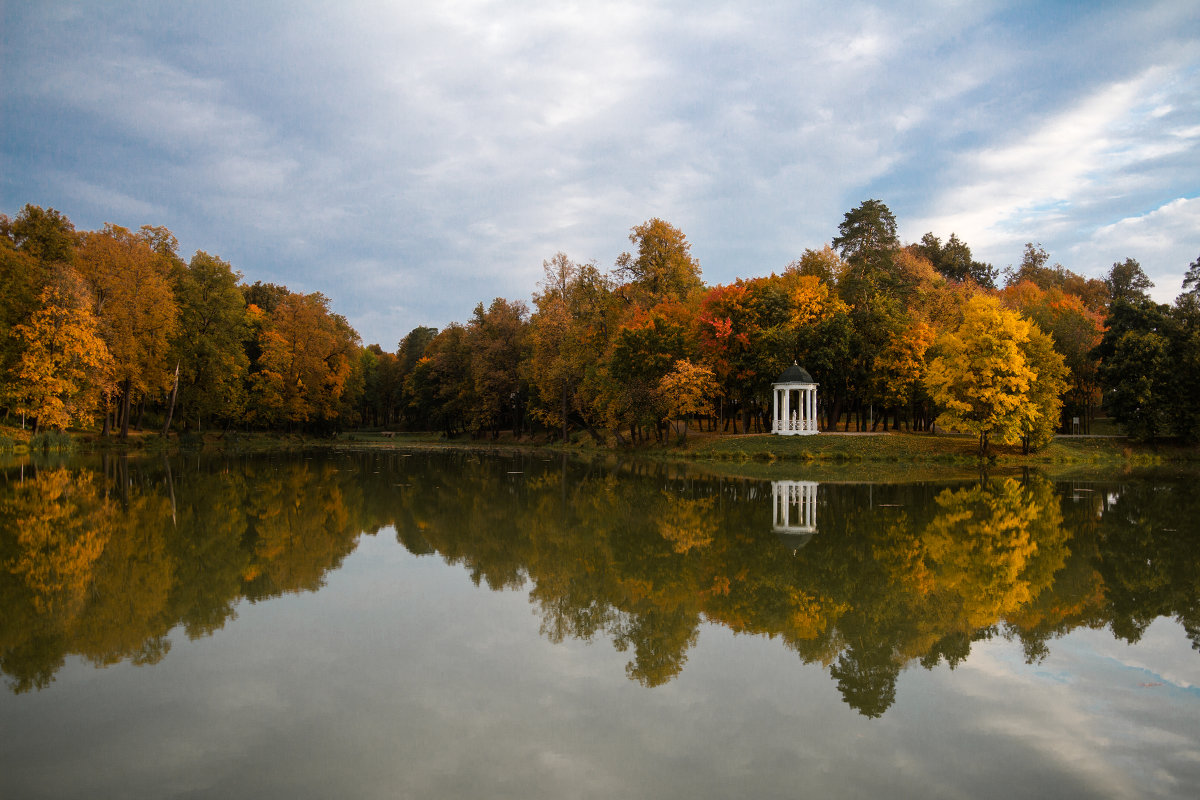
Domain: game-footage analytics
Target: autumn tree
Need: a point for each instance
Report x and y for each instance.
(569, 327)
(130, 283)
(1045, 391)
(497, 338)
(440, 388)
(63, 363)
(1076, 331)
(823, 264)
(663, 267)
(982, 377)
(687, 389)
(305, 364)
(644, 349)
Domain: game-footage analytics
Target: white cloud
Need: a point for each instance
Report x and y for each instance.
(474, 139)
(1164, 241)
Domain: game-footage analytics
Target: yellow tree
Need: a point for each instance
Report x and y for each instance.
(306, 360)
(663, 268)
(130, 282)
(1045, 393)
(900, 367)
(982, 378)
(687, 389)
(64, 364)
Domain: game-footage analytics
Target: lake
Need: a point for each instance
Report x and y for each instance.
(383, 624)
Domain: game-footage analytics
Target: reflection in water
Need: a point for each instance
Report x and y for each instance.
(794, 512)
(103, 561)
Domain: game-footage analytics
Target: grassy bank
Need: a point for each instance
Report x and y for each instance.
(886, 453)
(925, 448)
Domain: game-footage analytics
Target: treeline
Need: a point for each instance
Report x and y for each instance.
(98, 323)
(113, 323)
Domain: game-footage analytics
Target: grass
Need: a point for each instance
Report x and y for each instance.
(927, 448)
(881, 456)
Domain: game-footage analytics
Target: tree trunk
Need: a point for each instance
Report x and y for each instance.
(125, 409)
(564, 412)
(171, 405)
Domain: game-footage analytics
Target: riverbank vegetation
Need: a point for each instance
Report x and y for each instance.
(113, 332)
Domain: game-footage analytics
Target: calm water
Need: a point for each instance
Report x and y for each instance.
(457, 625)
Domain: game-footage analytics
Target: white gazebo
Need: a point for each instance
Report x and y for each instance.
(801, 418)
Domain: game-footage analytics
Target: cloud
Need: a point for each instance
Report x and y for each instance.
(450, 147)
(1164, 241)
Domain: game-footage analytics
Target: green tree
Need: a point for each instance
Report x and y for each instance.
(1135, 362)
(1191, 279)
(210, 347)
(1126, 281)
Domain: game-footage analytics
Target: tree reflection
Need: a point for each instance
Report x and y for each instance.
(104, 561)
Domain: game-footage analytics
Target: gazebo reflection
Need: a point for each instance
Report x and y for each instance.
(794, 512)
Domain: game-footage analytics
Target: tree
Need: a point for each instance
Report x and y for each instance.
(1045, 392)
(210, 348)
(867, 232)
(981, 377)
(1126, 281)
(305, 363)
(440, 387)
(687, 389)
(823, 264)
(63, 364)
(1136, 366)
(497, 338)
(1191, 279)
(644, 349)
(663, 268)
(136, 308)
(555, 368)
(45, 234)
(954, 261)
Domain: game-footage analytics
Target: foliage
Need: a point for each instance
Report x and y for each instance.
(63, 363)
(1150, 367)
(210, 347)
(305, 362)
(663, 267)
(687, 389)
(981, 377)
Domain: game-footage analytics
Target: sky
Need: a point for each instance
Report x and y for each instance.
(412, 159)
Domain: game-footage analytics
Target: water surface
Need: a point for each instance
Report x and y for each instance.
(390, 624)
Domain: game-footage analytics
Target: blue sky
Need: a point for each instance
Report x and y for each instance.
(410, 159)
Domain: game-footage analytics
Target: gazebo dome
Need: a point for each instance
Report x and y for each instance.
(795, 374)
